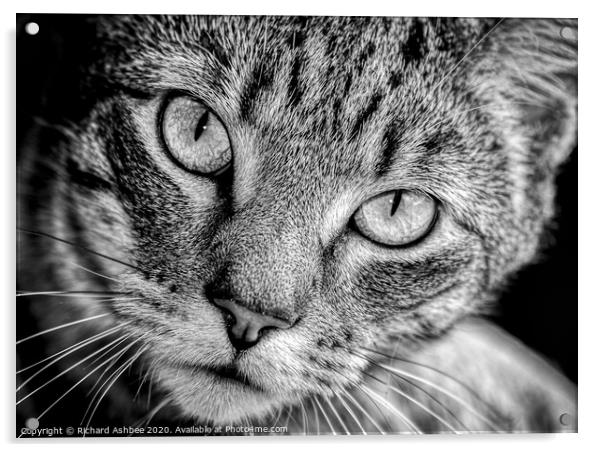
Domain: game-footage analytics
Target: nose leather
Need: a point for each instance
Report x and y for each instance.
(248, 324)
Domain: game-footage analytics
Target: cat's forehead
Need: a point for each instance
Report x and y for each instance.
(331, 97)
(341, 55)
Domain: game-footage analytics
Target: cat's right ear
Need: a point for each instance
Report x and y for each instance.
(526, 69)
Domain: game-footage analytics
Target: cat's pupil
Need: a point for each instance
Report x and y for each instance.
(395, 202)
(201, 125)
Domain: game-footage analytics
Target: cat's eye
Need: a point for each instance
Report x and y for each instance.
(396, 218)
(195, 137)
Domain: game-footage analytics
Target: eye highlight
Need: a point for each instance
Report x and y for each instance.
(195, 137)
(396, 218)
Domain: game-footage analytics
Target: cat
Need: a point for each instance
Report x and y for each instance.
(295, 223)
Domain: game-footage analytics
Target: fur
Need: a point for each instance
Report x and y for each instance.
(322, 114)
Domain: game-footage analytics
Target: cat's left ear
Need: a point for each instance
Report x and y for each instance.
(527, 69)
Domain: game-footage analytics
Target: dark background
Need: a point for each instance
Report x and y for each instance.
(539, 307)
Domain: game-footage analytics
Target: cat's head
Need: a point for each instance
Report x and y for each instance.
(292, 190)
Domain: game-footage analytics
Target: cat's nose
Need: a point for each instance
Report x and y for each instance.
(248, 326)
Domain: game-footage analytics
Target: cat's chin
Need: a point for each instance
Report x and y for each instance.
(216, 395)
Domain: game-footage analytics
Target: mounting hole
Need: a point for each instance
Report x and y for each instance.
(565, 419)
(569, 33)
(32, 423)
(32, 28)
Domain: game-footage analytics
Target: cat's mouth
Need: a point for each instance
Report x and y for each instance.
(228, 373)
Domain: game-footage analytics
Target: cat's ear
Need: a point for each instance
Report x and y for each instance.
(527, 69)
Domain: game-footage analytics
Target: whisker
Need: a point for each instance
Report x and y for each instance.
(59, 327)
(143, 380)
(99, 379)
(66, 353)
(288, 417)
(119, 372)
(73, 387)
(441, 389)
(389, 376)
(93, 272)
(109, 300)
(364, 412)
(91, 363)
(434, 369)
(351, 413)
(94, 299)
(504, 105)
(416, 402)
(116, 357)
(65, 293)
(411, 383)
(149, 417)
(325, 415)
(372, 401)
(472, 49)
(150, 388)
(391, 408)
(316, 415)
(336, 413)
(82, 343)
(304, 417)
(75, 245)
(294, 420)
(122, 338)
(277, 418)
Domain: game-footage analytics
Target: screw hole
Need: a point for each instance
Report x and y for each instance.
(32, 28)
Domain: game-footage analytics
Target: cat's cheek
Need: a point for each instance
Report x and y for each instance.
(179, 328)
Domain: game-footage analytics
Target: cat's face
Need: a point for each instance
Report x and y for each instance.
(282, 198)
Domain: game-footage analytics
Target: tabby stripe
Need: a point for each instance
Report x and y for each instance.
(365, 115)
(435, 143)
(390, 145)
(414, 49)
(261, 79)
(363, 57)
(87, 178)
(294, 90)
(476, 232)
(395, 79)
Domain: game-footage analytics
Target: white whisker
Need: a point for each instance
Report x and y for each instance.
(143, 380)
(424, 407)
(288, 417)
(59, 327)
(93, 272)
(73, 387)
(304, 417)
(116, 357)
(115, 376)
(277, 417)
(149, 417)
(472, 49)
(74, 346)
(391, 408)
(325, 416)
(121, 339)
(316, 415)
(65, 353)
(351, 413)
(336, 413)
(67, 293)
(442, 390)
(364, 412)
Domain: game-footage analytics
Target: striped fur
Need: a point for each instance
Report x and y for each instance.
(322, 113)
